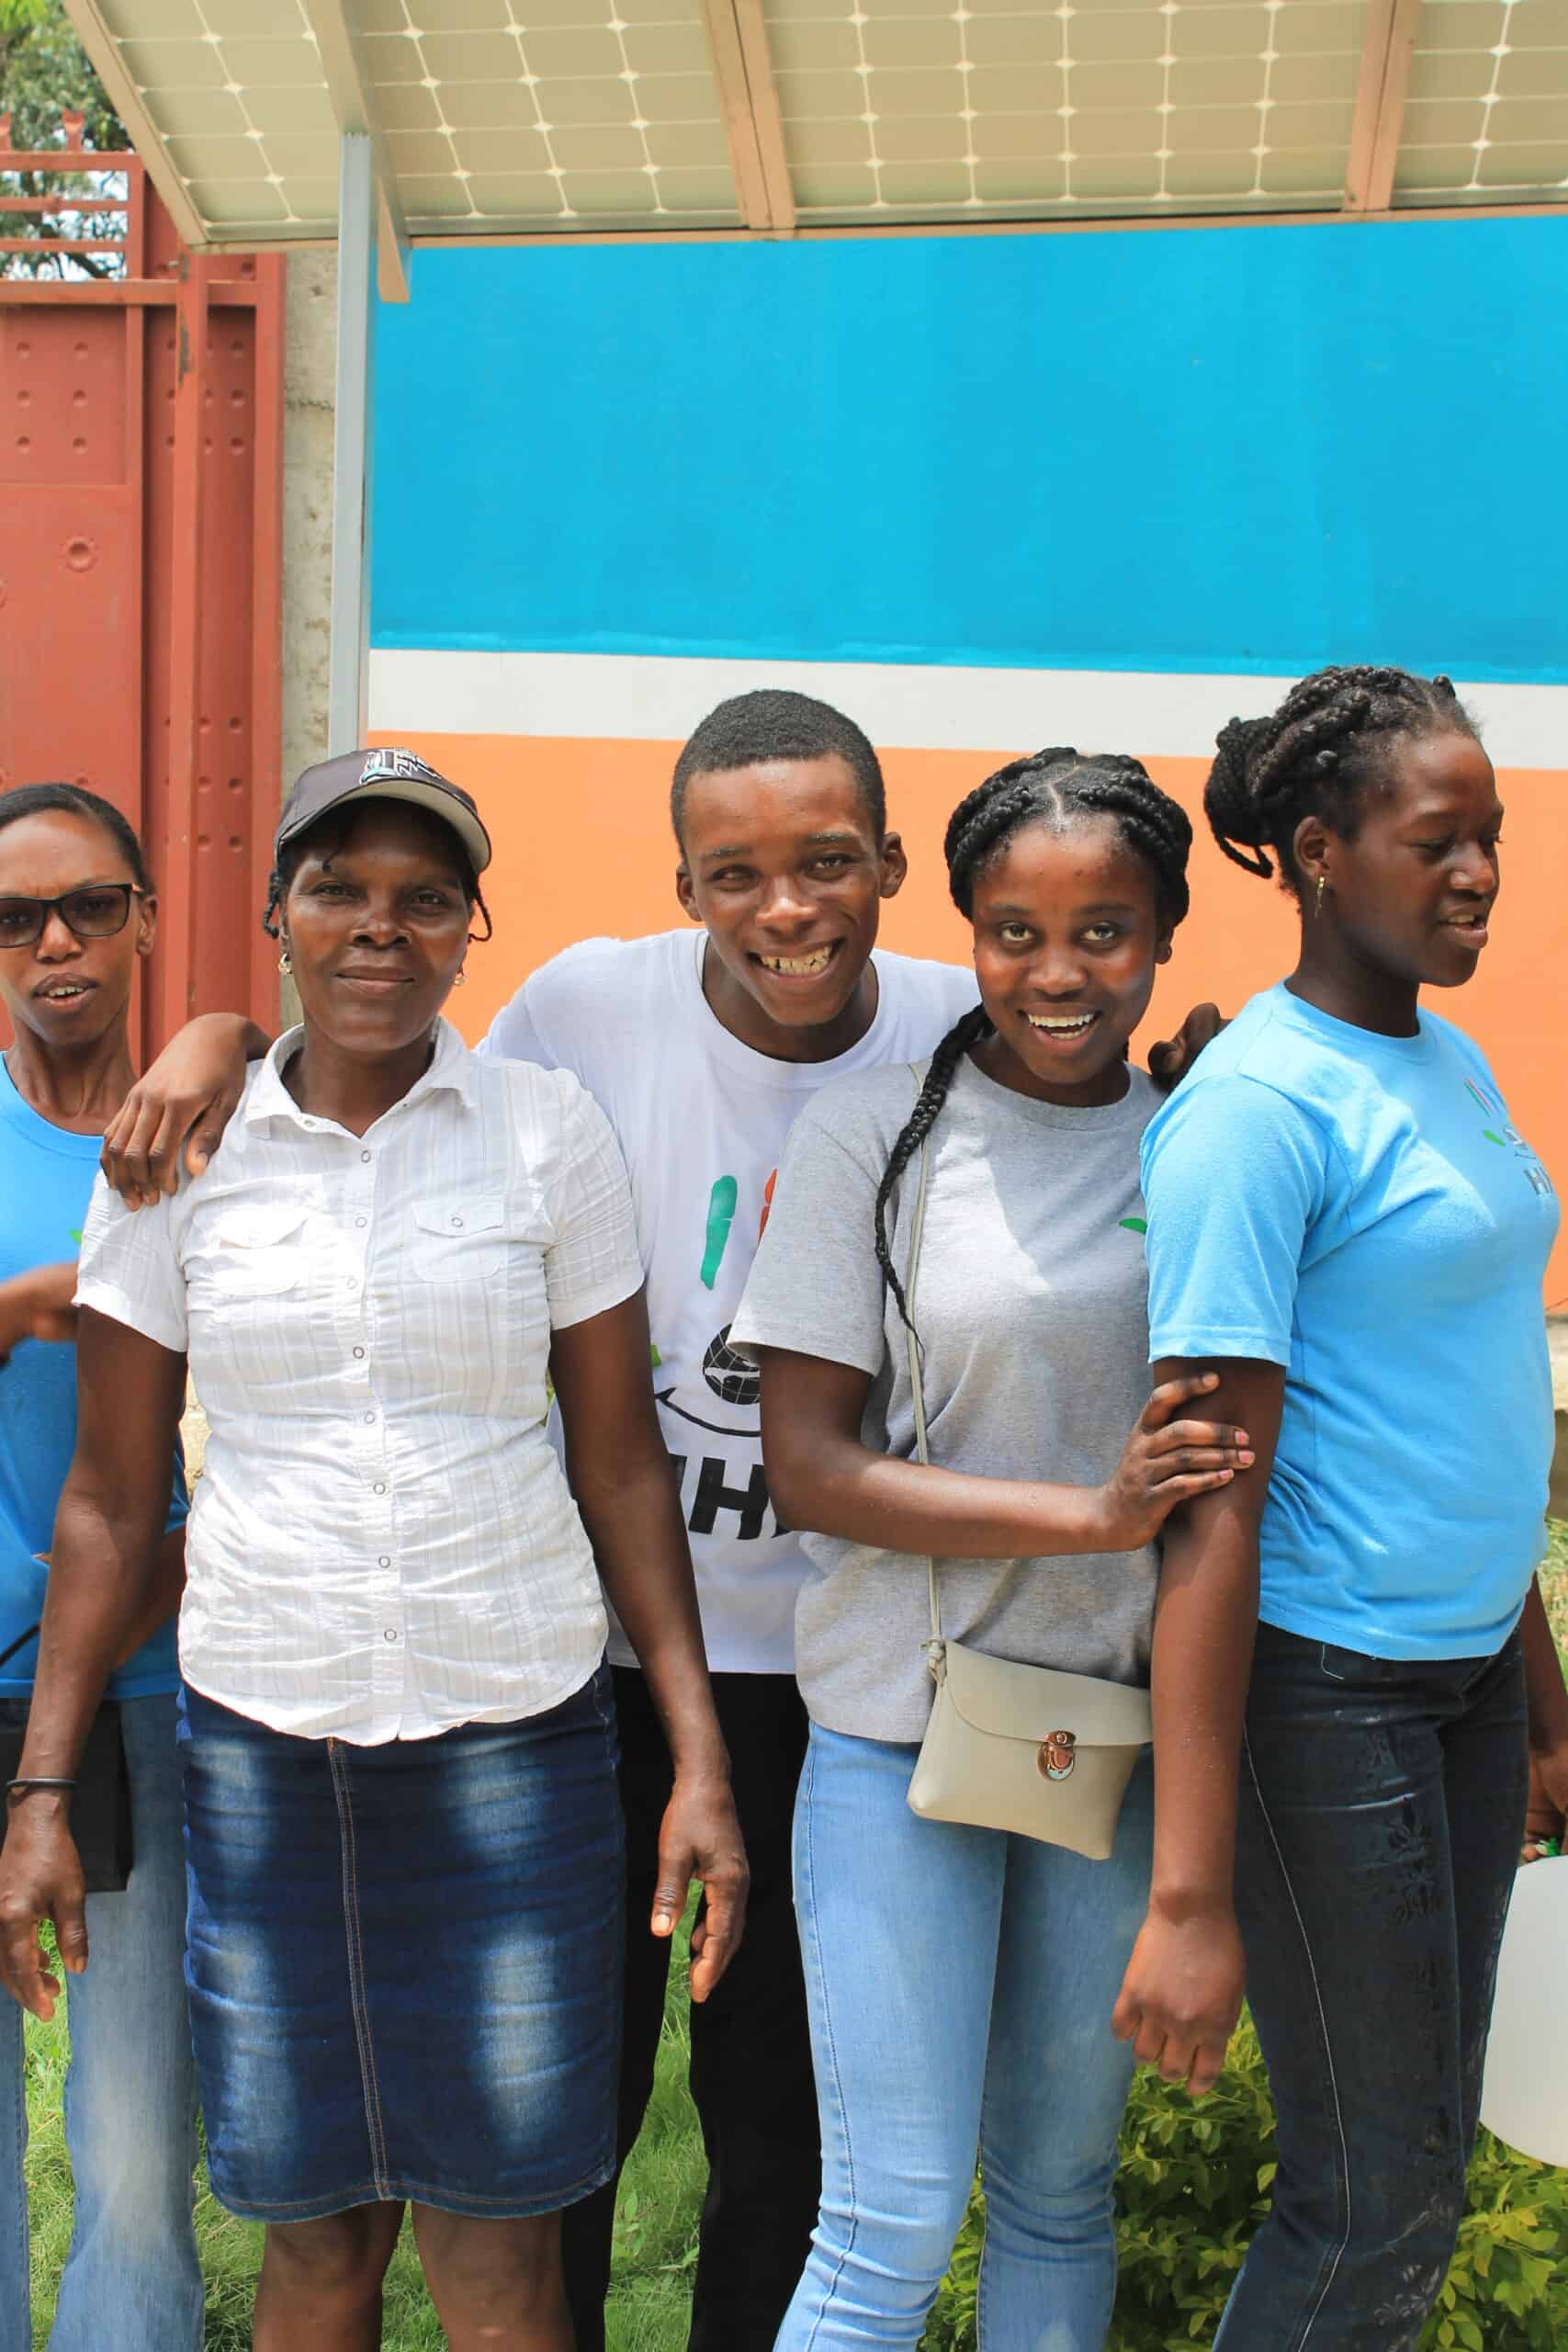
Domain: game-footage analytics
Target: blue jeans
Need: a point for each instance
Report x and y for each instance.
(1382, 1805)
(131, 2279)
(961, 1984)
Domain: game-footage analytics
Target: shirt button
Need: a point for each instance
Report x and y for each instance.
(391, 1634)
(358, 1353)
(369, 1417)
(459, 1223)
(386, 1560)
(353, 1282)
(379, 1488)
(359, 1220)
(365, 1155)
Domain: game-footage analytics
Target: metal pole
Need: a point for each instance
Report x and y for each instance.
(351, 445)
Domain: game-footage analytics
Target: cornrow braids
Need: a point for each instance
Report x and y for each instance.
(963, 1033)
(1056, 786)
(1059, 785)
(1315, 756)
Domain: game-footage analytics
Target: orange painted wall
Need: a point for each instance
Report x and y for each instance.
(583, 845)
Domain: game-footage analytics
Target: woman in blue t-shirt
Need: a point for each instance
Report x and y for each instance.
(77, 916)
(1344, 1222)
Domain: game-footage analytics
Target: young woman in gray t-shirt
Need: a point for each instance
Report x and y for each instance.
(962, 1980)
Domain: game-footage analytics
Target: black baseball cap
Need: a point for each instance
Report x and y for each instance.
(389, 774)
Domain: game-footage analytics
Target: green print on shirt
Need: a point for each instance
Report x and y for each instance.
(1535, 1174)
(721, 1216)
(1491, 1111)
(1133, 1224)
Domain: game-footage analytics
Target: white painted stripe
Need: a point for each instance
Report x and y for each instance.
(925, 706)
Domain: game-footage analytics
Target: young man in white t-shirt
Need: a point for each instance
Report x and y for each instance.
(701, 1045)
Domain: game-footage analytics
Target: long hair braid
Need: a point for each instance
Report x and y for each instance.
(1315, 756)
(965, 1032)
(1057, 786)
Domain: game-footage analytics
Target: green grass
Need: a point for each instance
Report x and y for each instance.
(655, 2228)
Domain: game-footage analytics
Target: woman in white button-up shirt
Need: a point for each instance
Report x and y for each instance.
(402, 1831)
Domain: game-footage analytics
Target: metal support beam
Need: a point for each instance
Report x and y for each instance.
(352, 446)
(175, 983)
(1387, 53)
(334, 24)
(753, 125)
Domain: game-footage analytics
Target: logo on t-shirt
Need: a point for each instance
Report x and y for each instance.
(1510, 1137)
(737, 1487)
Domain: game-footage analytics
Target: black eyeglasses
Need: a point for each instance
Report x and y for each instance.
(95, 913)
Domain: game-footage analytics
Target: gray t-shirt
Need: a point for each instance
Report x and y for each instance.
(1033, 1306)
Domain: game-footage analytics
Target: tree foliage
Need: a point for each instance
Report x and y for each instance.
(46, 73)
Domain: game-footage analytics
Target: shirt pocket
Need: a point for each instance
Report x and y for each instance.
(459, 1238)
(256, 1252)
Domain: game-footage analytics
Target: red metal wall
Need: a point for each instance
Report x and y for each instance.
(140, 563)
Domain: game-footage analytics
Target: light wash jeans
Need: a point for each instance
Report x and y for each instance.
(132, 2280)
(961, 1984)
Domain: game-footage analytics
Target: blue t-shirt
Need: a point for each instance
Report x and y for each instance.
(1360, 1209)
(46, 1181)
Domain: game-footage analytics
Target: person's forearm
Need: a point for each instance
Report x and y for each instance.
(102, 1573)
(1205, 1624)
(162, 1596)
(231, 1029)
(838, 1487)
(1543, 1678)
(639, 1544)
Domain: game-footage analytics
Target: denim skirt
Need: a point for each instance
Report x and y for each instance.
(404, 1961)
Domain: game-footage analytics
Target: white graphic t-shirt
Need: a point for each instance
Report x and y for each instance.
(701, 1120)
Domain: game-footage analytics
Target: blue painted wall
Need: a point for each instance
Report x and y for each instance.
(1221, 449)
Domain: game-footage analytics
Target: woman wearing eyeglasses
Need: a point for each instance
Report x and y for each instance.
(76, 915)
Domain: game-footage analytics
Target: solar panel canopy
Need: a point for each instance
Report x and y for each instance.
(496, 118)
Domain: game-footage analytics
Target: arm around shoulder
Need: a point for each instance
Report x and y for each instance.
(187, 1098)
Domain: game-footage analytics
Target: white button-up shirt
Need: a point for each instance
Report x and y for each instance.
(383, 1544)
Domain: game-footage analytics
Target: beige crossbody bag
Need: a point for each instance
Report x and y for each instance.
(1012, 1746)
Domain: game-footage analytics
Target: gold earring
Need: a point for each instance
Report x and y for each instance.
(1321, 887)
(284, 961)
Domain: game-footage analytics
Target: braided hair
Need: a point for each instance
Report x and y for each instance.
(1058, 787)
(1315, 756)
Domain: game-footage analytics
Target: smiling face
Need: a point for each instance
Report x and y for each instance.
(1410, 895)
(375, 919)
(781, 864)
(1067, 934)
(69, 993)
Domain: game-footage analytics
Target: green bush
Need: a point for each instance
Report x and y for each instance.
(1194, 2184)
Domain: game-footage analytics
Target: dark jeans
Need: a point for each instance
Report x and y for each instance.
(750, 2071)
(1382, 1805)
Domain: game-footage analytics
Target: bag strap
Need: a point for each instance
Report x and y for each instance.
(933, 1647)
(20, 1643)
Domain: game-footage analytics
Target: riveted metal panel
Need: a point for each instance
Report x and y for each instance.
(141, 484)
